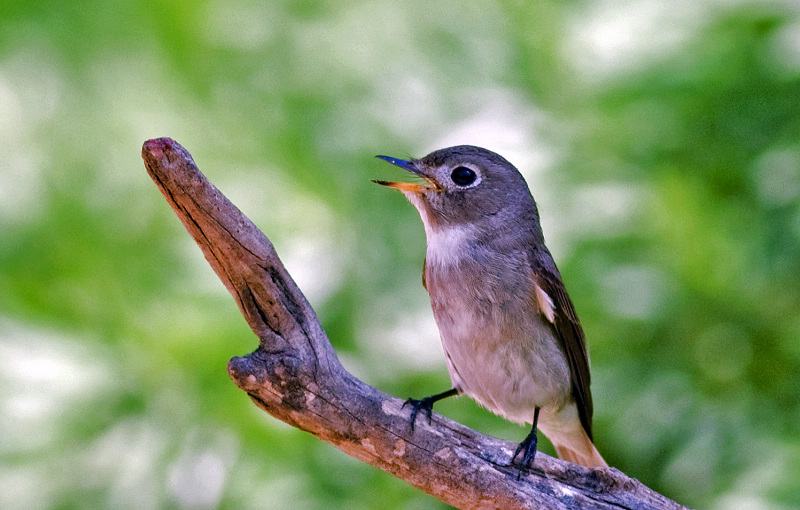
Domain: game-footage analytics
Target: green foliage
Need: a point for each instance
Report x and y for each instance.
(662, 144)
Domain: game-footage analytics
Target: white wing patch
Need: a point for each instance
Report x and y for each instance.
(545, 304)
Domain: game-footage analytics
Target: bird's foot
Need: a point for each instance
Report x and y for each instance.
(425, 405)
(528, 449)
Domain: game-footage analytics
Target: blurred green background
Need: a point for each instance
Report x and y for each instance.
(660, 139)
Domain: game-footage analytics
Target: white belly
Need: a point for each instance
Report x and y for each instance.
(500, 351)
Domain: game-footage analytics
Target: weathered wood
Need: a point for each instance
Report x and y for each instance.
(295, 376)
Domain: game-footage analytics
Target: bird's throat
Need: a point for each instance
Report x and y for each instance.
(449, 244)
(446, 243)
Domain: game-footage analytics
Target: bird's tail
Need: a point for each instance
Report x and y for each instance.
(570, 439)
(579, 450)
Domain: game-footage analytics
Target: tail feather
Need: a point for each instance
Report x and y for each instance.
(580, 450)
(572, 443)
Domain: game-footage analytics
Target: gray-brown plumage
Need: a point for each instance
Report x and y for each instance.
(511, 337)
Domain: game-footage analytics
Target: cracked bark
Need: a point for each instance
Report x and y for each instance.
(295, 376)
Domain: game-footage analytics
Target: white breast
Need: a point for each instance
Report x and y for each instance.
(497, 337)
(446, 244)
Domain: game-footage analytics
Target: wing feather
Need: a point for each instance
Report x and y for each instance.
(570, 333)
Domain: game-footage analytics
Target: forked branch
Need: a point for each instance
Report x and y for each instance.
(295, 376)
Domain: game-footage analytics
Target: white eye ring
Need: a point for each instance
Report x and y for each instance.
(464, 176)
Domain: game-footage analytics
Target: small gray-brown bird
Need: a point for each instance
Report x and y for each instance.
(510, 334)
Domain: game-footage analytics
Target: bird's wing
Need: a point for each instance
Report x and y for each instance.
(556, 307)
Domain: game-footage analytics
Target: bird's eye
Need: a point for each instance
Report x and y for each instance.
(463, 176)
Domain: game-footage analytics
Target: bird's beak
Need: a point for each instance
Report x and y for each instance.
(413, 187)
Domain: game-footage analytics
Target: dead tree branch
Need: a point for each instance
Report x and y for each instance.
(295, 376)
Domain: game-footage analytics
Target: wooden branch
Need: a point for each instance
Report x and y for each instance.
(295, 376)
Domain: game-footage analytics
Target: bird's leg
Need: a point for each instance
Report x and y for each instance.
(528, 445)
(426, 404)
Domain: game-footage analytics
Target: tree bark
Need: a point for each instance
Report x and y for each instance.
(295, 376)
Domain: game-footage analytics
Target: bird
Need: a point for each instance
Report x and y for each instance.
(510, 334)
